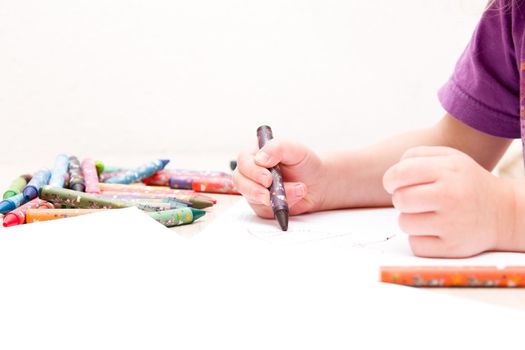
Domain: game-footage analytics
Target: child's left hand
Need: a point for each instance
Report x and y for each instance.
(450, 206)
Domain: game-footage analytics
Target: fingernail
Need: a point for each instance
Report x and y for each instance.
(261, 157)
(300, 190)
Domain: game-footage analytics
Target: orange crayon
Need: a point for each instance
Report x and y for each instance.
(36, 215)
(454, 276)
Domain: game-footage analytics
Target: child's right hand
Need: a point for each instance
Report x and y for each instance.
(302, 172)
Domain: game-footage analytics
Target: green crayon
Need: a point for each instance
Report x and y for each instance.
(16, 186)
(100, 166)
(175, 217)
(64, 198)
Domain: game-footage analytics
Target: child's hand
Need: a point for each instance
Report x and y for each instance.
(450, 206)
(301, 169)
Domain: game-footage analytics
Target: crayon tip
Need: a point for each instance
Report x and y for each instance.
(200, 203)
(100, 166)
(6, 207)
(78, 187)
(30, 193)
(282, 218)
(9, 194)
(233, 164)
(10, 220)
(164, 162)
(197, 213)
(27, 177)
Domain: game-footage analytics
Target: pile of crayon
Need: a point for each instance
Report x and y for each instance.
(72, 188)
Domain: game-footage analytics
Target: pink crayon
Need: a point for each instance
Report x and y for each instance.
(162, 178)
(18, 216)
(89, 171)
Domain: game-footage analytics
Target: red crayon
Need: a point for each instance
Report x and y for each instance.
(18, 216)
(166, 191)
(220, 185)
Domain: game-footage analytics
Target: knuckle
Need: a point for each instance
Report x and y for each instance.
(405, 223)
(397, 200)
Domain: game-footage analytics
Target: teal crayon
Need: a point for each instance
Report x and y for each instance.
(176, 217)
(137, 174)
(41, 178)
(59, 174)
(113, 169)
(12, 203)
(65, 198)
(17, 186)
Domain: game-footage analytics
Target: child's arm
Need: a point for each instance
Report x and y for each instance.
(450, 205)
(356, 176)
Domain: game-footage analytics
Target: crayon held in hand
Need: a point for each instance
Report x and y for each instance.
(277, 192)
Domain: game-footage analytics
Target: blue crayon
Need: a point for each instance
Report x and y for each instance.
(40, 179)
(136, 175)
(58, 176)
(12, 203)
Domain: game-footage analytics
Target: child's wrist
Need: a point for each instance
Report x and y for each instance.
(511, 228)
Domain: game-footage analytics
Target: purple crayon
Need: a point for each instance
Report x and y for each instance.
(277, 192)
(76, 179)
(41, 178)
(137, 174)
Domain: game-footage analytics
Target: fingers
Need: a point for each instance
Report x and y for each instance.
(430, 247)
(417, 199)
(295, 194)
(423, 224)
(278, 151)
(418, 165)
(413, 171)
(254, 192)
(247, 167)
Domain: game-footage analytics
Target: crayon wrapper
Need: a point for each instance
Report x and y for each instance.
(89, 171)
(15, 187)
(465, 276)
(176, 217)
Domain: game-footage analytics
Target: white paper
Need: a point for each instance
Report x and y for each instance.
(119, 280)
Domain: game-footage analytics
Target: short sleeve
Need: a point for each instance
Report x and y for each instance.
(483, 91)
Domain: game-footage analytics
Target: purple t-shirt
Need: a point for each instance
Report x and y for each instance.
(487, 88)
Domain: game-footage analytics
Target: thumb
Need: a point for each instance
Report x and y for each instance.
(295, 191)
(279, 151)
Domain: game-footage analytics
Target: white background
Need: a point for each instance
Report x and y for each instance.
(123, 77)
